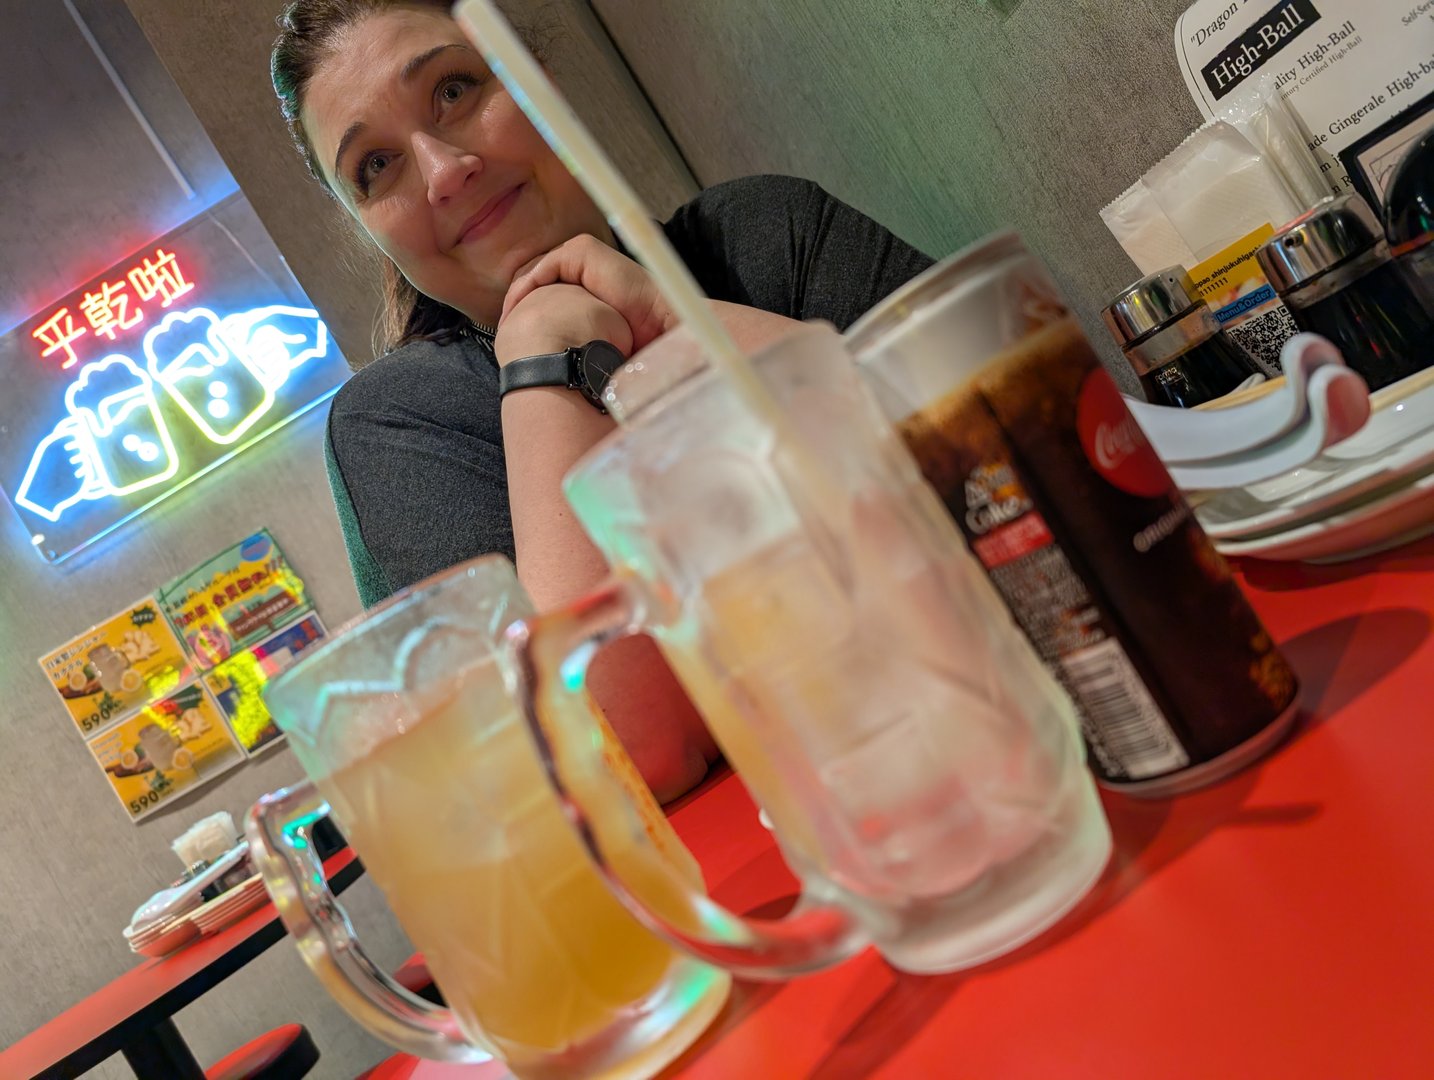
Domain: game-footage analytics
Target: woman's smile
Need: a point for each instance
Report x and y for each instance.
(490, 215)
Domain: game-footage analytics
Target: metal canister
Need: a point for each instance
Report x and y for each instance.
(1333, 268)
(1172, 340)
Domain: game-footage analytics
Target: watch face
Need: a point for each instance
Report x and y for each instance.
(598, 361)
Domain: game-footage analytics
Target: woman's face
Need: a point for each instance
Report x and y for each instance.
(424, 146)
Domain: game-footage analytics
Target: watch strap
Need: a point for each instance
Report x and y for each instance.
(549, 369)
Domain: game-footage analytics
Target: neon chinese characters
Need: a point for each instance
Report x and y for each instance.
(112, 306)
(58, 334)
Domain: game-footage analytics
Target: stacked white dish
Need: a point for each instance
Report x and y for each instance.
(165, 921)
(231, 906)
(162, 938)
(180, 927)
(1368, 493)
(1262, 433)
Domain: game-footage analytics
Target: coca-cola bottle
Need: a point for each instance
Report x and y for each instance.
(1028, 441)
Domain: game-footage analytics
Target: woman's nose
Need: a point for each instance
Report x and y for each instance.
(446, 168)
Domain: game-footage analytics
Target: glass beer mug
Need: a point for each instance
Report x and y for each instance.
(407, 729)
(922, 771)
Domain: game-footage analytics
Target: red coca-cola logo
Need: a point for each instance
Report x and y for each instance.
(1113, 441)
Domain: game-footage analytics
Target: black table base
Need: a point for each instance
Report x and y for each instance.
(160, 1053)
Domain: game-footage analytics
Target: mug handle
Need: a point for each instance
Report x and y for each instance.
(279, 829)
(549, 655)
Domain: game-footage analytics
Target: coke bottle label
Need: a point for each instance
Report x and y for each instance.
(1113, 442)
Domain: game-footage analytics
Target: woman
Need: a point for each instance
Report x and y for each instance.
(495, 256)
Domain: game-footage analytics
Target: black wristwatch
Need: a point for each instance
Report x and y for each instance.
(584, 368)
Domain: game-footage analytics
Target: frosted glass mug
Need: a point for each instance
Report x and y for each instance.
(922, 770)
(406, 726)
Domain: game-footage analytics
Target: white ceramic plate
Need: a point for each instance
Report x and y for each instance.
(1402, 516)
(171, 936)
(181, 898)
(223, 910)
(1394, 448)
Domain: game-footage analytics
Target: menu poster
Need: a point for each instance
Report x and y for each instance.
(112, 669)
(238, 683)
(237, 598)
(170, 747)
(1344, 66)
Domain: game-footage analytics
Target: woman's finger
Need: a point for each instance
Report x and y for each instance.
(532, 276)
(607, 274)
(568, 263)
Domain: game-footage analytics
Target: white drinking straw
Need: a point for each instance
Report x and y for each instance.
(586, 160)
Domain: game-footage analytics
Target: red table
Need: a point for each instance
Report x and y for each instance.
(133, 1014)
(1279, 924)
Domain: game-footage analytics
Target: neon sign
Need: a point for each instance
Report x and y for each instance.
(151, 391)
(160, 277)
(57, 333)
(107, 309)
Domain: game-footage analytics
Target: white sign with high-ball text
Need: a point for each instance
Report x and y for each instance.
(1344, 66)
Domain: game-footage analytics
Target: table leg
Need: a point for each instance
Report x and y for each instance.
(161, 1054)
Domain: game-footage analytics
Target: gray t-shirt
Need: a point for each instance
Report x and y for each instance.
(415, 439)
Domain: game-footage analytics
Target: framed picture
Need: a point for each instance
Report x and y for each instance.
(1371, 160)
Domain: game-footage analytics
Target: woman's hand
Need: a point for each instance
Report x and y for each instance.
(552, 318)
(544, 432)
(605, 274)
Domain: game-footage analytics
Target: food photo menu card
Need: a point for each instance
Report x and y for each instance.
(167, 693)
(114, 668)
(235, 599)
(238, 682)
(169, 747)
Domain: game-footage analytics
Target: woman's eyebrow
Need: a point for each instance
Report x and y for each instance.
(414, 66)
(354, 131)
(410, 70)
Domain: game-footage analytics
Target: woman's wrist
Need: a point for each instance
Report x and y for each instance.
(518, 346)
(556, 318)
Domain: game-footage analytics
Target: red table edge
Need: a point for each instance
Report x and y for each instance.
(202, 967)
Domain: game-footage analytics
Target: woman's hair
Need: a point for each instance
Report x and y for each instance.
(308, 31)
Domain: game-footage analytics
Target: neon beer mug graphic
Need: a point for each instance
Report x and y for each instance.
(224, 373)
(112, 441)
(219, 387)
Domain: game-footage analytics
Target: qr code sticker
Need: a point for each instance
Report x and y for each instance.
(1264, 335)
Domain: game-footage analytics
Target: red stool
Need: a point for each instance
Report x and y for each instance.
(398, 1067)
(402, 1067)
(286, 1053)
(414, 977)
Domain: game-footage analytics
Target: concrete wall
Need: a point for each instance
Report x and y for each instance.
(86, 189)
(937, 117)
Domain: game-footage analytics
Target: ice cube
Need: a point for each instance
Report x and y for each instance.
(916, 829)
(715, 511)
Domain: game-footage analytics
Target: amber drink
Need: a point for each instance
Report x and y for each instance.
(408, 729)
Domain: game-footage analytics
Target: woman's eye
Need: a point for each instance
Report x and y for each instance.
(370, 168)
(452, 88)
